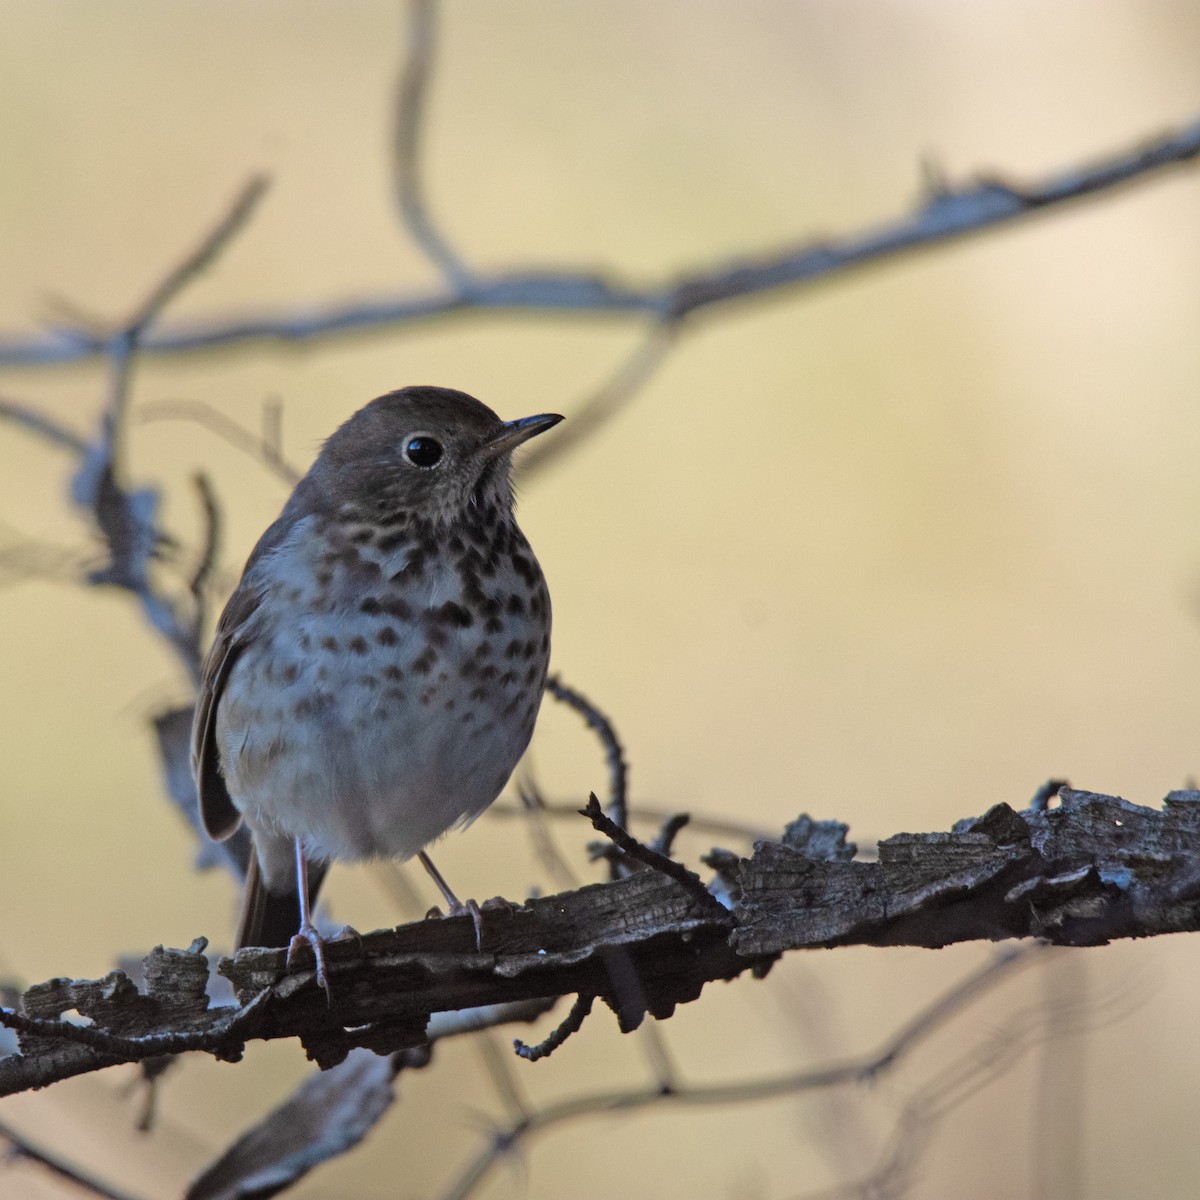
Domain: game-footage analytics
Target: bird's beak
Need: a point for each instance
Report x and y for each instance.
(512, 433)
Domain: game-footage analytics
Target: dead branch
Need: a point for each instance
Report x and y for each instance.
(1089, 870)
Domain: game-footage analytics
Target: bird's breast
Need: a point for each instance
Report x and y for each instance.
(391, 687)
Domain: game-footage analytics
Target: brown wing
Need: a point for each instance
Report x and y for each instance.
(221, 818)
(217, 810)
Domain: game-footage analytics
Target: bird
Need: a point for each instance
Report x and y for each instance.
(377, 672)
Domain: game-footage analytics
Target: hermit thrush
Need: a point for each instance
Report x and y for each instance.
(376, 674)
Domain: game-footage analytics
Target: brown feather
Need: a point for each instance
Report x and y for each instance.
(271, 918)
(217, 810)
(254, 902)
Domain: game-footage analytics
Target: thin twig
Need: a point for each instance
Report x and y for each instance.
(263, 448)
(406, 162)
(23, 1147)
(223, 1036)
(544, 846)
(716, 826)
(272, 440)
(855, 1071)
(607, 401)
(210, 247)
(665, 838)
(202, 572)
(128, 519)
(635, 849)
(1058, 1139)
(947, 216)
(504, 1079)
(937, 1013)
(127, 342)
(571, 1023)
(45, 427)
(658, 1055)
(965, 1075)
(23, 558)
(618, 773)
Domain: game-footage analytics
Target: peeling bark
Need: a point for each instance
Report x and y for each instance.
(1091, 869)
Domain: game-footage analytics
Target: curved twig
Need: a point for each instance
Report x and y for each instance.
(410, 112)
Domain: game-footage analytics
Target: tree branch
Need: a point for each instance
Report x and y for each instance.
(1092, 869)
(948, 214)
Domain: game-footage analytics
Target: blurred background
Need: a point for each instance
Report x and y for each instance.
(890, 551)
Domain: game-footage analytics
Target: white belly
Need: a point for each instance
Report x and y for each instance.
(358, 734)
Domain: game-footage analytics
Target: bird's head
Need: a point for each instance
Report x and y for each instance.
(433, 451)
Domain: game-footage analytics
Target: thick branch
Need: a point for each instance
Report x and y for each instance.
(1091, 869)
(947, 214)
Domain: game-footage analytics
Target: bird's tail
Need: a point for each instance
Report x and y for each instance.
(272, 918)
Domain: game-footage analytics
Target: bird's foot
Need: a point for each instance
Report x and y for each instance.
(459, 909)
(308, 936)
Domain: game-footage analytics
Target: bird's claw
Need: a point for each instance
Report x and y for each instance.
(308, 936)
(459, 909)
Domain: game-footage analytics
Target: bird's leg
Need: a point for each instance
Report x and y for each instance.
(453, 903)
(307, 934)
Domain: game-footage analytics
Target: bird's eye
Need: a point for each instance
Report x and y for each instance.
(423, 451)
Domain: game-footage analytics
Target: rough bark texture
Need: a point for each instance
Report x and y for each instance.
(1090, 869)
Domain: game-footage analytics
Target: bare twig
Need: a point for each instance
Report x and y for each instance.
(272, 440)
(263, 447)
(203, 256)
(410, 111)
(571, 1023)
(665, 837)
(23, 558)
(608, 400)
(946, 1005)
(966, 1074)
(533, 809)
(499, 1066)
(126, 518)
(618, 773)
(202, 572)
(653, 1045)
(222, 1037)
(24, 1147)
(331, 1112)
(1057, 1112)
(945, 217)
(652, 858)
(643, 813)
(45, 427)
(124, 345)
(763, 1088)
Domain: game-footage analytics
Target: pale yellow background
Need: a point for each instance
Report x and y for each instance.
(890, 551)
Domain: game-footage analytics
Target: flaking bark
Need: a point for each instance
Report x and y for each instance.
(1091, 869)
